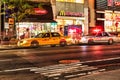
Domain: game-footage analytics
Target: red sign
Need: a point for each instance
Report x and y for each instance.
(117, 3)
(110, 2)
(116, 24)
(11, 21)
(40, 11)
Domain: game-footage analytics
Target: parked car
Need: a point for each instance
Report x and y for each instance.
(100, 37)
(49, 38)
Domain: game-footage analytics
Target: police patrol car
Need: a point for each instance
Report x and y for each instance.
(100, 37)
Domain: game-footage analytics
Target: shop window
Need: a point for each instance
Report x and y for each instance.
(99, 15)
(79, 1)
(70, 0)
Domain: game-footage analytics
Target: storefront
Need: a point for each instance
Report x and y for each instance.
(112, 21)
(41, 21)
(109, 14)
(35, 28)
(70, 18)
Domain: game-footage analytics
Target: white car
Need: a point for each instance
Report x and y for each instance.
(100, 37)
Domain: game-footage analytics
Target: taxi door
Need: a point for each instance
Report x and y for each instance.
(55, 38)
(45, 39)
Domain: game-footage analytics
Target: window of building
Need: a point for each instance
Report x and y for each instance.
(100, 15)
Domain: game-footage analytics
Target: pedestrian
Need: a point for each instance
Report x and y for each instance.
(27, 33)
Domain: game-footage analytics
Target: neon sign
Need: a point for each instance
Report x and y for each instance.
(39, 11)
(117, 3)
(111, 2)
(67, 13)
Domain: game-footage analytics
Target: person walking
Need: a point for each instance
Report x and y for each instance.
(27, 33)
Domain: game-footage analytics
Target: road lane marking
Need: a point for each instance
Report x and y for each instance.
(19, 69)
(100, 60)
(5, 60)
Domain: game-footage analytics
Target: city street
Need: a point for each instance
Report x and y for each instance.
(59, 39)
(20, 62)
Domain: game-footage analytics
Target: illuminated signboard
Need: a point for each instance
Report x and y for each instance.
(115, 2)
(11, 21)
(110, 2)
(67, 13)
(39, 11)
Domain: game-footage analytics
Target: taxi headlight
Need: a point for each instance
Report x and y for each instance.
(68, 39)
(23, 41)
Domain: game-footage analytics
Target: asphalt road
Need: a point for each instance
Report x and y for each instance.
(16, 64)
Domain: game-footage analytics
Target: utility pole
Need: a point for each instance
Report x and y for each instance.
(86, 26)
(0, 18)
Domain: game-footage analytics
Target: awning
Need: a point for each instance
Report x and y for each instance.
(48, 17)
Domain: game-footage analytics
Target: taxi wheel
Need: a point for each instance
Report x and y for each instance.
(110, 41)
(62, 44)
(52, 45)
(34, 44)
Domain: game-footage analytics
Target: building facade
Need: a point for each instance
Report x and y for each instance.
(64, 16)
(107, 13)
(42, 20)
(72, 17)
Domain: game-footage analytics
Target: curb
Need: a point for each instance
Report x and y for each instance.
(10, 47)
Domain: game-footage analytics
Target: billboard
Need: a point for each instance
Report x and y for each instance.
(109, 2)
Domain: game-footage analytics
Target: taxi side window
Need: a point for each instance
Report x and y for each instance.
(55, 34)
(39, 35)
(46, 35)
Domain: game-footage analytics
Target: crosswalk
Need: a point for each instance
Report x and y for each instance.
(59, 71)
(66, 71)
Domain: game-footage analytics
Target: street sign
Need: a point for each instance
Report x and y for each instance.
(11, 21)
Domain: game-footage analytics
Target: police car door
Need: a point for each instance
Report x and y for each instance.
(105, 37)
(98, 38)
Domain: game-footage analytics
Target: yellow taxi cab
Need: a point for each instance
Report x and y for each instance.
(49, 38)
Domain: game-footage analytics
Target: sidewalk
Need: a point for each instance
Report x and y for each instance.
(109, 75)
(4, 47)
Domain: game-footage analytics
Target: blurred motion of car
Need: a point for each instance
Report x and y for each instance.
(49, 38)
(100, 37)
